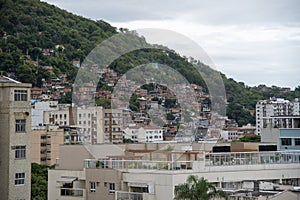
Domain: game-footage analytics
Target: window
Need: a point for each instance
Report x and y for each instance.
(111, 188)
(286, 141)
(20, 179)
(20, 125)
(297, 141)
(92, 187)
(20, 152)
(20, 95)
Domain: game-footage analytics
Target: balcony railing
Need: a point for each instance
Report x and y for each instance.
(122, 195)
(71, 192)
(252, 158)
(138, 164)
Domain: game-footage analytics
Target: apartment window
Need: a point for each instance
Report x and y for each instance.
(19, 178)
(20, 95)
(286, 141)
(92, 186)
(20, 125)
(297, 141)
(20, 152)
(43, 137)
(111, 188)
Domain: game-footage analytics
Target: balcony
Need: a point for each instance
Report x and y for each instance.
(252, 158)
(138, 164)
(122, 195)
(73, 192)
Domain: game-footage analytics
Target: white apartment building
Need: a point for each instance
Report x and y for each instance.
(88, 119)
(144, 134)
(270, 109)
(15, 139)
(37, 110)
(151, 171)
(59, 116)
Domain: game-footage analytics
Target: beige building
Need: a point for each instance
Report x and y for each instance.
(113, 123)
(15, 139)
(151, 171)
(45, 144)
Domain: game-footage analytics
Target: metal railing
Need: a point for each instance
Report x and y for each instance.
(71, 192)
(138, 164)
(123, 195)
(252, 158)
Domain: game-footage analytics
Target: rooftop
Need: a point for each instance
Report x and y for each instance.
(4, 79)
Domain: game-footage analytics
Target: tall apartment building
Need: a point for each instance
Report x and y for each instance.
(88, 119)
(269, 112)
(113, 125)
(15, 139)
(45, 144)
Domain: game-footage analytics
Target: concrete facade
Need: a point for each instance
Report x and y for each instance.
(144, 134)
(45, 144)
(15, 139)
(267, 112)
(151, 171)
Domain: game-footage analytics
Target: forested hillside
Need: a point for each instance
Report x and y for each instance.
(35, 34)
(31, 29)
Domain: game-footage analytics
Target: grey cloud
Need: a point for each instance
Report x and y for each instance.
(205, 12)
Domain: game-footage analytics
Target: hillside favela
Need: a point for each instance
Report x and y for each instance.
(93, 111)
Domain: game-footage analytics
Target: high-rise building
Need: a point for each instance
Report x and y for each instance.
(45, 144)
(88, 119)
(269, 113)
(113, 125)
(15, 139)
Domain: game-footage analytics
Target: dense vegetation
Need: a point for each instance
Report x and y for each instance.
(39, 183)
(29, 27)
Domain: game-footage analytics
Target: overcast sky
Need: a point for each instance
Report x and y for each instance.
(253, 41)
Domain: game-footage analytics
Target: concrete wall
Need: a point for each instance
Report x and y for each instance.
(270, 135)
(54, 138)
(10, 110)
(102, 178)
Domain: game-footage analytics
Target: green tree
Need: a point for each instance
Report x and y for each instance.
(249, 138)
(197, 189)
(39, 183)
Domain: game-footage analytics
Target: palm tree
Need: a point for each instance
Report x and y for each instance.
(197, 189)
